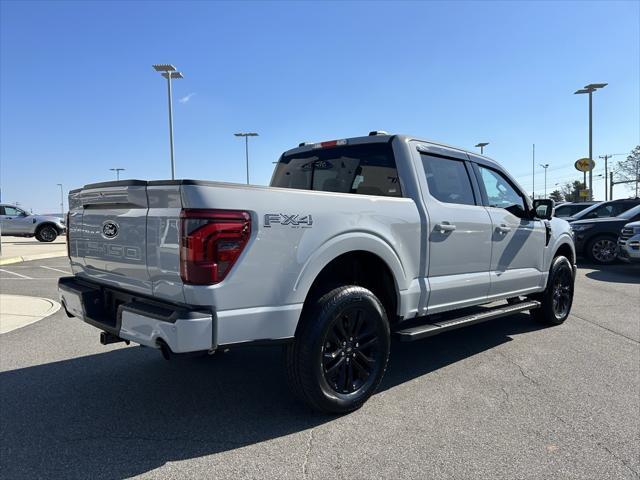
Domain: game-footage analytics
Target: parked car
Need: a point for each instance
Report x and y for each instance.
(612, 208)
(19, 223)
(355, 239)
(629, 243)
(597, 238)
(569, 209)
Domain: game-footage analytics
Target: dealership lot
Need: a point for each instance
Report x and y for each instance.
(508, 399)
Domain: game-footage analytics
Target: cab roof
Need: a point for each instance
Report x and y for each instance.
(384, 137)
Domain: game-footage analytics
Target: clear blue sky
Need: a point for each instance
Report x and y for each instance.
(78, 94)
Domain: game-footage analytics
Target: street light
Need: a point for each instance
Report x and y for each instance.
(246, 147)
(482, 145)
(61, 199)
(545, 166)
(169, 72)
(592, 87)
(117, 170)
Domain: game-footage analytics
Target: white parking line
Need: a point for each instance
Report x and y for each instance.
(55, 269)
(17, 274)
(6, 279)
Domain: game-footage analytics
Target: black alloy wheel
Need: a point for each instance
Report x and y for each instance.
(351, 355)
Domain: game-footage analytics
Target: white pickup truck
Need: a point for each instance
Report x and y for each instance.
(354, 241)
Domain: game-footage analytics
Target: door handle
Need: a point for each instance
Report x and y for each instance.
(445, 227)
(503, 228)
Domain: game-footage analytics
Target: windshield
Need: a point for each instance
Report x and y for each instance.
(570, 209)
(366, 169)
(605, 209)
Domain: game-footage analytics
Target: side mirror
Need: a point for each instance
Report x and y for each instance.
(543, 208)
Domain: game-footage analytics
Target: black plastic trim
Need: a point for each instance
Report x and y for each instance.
(94, 295)
(264, 342)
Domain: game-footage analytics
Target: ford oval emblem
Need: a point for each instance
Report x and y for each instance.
(110, 229)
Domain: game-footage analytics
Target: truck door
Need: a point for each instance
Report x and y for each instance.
(518, 241)
(458, 230)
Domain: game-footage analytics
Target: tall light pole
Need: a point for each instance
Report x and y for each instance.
(61, 199)
(592, 87)
(117, 170)
(246, 147)
(169, 72)
(533, 171)
(545, 166)
(482, 145)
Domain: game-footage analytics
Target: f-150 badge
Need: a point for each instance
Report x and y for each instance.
(294, 221)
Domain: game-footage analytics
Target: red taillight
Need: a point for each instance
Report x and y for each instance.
(211, 242)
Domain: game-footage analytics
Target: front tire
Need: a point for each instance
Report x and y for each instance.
(340, 351)
(557, 298)
(602, 249)
(46, 234)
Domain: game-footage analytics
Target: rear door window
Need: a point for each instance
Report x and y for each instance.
(366, 169)
(448, 180)
(609, 210)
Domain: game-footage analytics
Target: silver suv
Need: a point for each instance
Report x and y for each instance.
(16, 222)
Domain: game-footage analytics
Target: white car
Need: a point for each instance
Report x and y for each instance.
(18, 223)
(629, 243)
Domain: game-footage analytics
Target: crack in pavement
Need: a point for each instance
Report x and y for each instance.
(605, 328)
(307, 454)
(522, 372)
(594, 439)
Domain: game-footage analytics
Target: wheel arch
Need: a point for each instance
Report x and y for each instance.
(40, 226)
(567, 250)
(361, 260)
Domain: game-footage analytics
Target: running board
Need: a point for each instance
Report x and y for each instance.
(430, 329)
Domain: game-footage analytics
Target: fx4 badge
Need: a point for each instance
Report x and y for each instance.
(294, 221)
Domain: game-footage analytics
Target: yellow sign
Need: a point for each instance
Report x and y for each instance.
(584, 193)
(585, 165)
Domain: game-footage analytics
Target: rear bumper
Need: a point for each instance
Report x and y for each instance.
(139, 320)
(182, 328)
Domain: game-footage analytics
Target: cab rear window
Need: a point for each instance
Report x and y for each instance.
(367, 169)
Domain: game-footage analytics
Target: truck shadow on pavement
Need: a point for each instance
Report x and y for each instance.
(617, 273)
(127, 411)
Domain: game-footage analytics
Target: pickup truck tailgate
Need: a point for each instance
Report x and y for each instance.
(111, 244)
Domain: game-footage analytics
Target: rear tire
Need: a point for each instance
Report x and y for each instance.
(340, 351)
(47, 234)
(557, 298)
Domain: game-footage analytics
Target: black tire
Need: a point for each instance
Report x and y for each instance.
(340, 351)
(602, 249)
(47, 233)
(557, 298)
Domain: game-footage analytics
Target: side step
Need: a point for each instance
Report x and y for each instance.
(429, 329)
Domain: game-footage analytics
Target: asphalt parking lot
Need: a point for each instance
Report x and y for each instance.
(507, 399)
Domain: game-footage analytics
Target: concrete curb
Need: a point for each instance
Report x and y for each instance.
(17, 311)
(27, 258)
